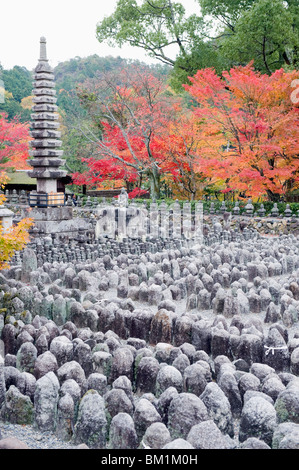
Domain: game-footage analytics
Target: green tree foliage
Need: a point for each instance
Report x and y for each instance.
(18, 81)
(266, 34)
(222, 33)
(161, 28)
(154, 26)
(73, 72)
(203, 55)
(18, 85)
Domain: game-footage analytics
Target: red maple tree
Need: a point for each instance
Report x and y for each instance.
(14, 144)
(132, 111)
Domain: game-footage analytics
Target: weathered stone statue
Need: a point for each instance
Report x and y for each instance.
(123, 198)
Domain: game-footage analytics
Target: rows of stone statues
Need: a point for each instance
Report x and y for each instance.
(86, 248)
(15, 197)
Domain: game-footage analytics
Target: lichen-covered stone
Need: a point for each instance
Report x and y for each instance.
(185, 410)
(18, 408)
(258, 419)
(122, 433)
(45, 402)
(91, 425)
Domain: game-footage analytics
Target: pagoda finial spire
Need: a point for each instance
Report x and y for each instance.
(43, 50)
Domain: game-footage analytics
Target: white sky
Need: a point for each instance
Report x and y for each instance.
(68, 25)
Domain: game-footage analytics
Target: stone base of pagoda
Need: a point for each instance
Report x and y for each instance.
(45, 214)
(58, 221)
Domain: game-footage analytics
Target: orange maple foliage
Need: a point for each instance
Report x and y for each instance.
(184, 142)
(3, 180)
(251, 127)
(13, 240)
(14, 140)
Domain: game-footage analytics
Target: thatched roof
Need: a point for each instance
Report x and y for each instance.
(20, 177)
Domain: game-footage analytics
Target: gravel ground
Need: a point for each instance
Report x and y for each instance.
(45, 440)
(32, 438)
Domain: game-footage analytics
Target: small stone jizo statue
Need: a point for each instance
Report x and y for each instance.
(123, 198)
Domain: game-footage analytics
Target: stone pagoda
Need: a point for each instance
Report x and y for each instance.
(50, 213)
(46, 145)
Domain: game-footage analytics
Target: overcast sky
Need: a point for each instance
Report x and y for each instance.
(68, 25)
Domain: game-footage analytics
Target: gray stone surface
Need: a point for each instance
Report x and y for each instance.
(117, 401)
(45, 362)
(45, 402)
(144, 415)
(146, 374)
(26, 357)
(62, 348)
(218, 408)
(258, 420)
(29, 264)
(72, 370)
(254, 443)
(286, 436)
(122, 433)
(168, 376)
(65, 417)
(287, 404)
(194, 377)
(2, 381)
(207, 435)
(91, 425)
(12, 443)
(18, 408)
(178, 444)
(156, 436)
(185, 410)
(26, 383)
(232, 355)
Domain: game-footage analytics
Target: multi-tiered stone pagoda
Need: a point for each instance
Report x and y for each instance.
(46, 145)
(50, 213)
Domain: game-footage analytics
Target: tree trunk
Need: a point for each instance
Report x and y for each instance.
(155, 182)
(273, 197)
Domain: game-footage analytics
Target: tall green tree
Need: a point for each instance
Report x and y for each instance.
(219, 34)
(162, 29)
(153, 25)
(267, 33)
(18, 85)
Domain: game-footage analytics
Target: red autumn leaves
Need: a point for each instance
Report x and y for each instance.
(239, 129)
(14, 139)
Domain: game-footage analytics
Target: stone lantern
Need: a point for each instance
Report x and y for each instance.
(6, 218)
